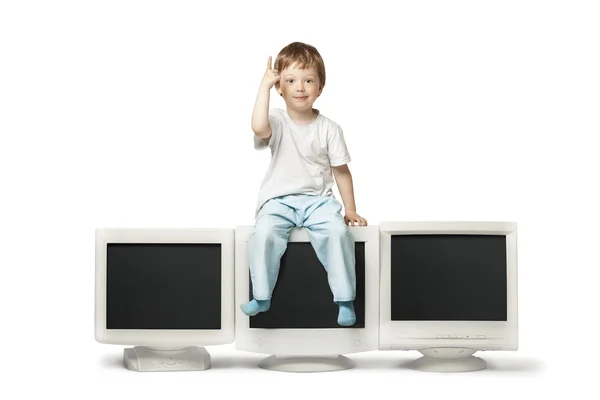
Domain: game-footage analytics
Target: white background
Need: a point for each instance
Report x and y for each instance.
(137, 114)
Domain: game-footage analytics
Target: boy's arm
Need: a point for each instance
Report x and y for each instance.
(343, 178)
(260, 114)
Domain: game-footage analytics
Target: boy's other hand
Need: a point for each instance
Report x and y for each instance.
(271, 75)
(352, 217)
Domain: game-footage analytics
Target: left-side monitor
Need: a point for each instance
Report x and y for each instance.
(167, 292)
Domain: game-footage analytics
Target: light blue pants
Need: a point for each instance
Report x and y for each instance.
(330, 237)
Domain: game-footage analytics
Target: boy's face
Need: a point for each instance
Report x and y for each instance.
(299, 87)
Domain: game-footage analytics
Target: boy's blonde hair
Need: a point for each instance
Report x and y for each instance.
(304, 55)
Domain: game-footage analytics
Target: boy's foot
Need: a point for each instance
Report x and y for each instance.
(346, 315)
(255, 306)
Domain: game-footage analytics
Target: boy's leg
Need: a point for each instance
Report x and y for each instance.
(334, 245)
(266, 246)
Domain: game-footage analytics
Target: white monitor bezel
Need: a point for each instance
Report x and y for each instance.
(162, 337)
(309, 342)
(481, 335)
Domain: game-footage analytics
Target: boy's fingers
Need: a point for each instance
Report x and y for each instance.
(269, 63)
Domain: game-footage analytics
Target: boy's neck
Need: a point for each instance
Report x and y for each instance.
(303, 117)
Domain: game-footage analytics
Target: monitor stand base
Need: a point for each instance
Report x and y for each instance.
(448, 360)
(307, 364)
(153, 359)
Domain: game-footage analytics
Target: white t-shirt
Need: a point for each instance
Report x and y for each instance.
(301, 156)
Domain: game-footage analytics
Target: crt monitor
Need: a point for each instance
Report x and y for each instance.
(300, 331)
(448, 289)
(167, 292)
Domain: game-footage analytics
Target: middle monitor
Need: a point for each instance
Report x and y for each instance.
(300, 330)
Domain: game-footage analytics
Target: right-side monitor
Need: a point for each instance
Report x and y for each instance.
(448, 289)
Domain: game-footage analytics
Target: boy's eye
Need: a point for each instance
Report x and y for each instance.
(290, 81)
(309, 81)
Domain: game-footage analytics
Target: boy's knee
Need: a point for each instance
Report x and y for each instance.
(339, 230)
(265, 232)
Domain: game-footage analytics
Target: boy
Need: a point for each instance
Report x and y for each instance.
(308, 151)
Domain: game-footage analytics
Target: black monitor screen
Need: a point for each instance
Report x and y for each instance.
(302, 297)
(163, 286)
(448, 278)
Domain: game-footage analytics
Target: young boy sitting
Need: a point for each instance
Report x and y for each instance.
(308, 150)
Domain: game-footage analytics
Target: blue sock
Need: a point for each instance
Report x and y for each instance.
(346, 315)
(256, 306)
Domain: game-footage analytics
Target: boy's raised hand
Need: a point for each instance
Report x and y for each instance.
(271, 75)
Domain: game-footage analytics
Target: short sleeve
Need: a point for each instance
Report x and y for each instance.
(336, 148)
(275, 120)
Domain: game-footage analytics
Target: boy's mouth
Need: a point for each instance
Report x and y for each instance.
(301, 98)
